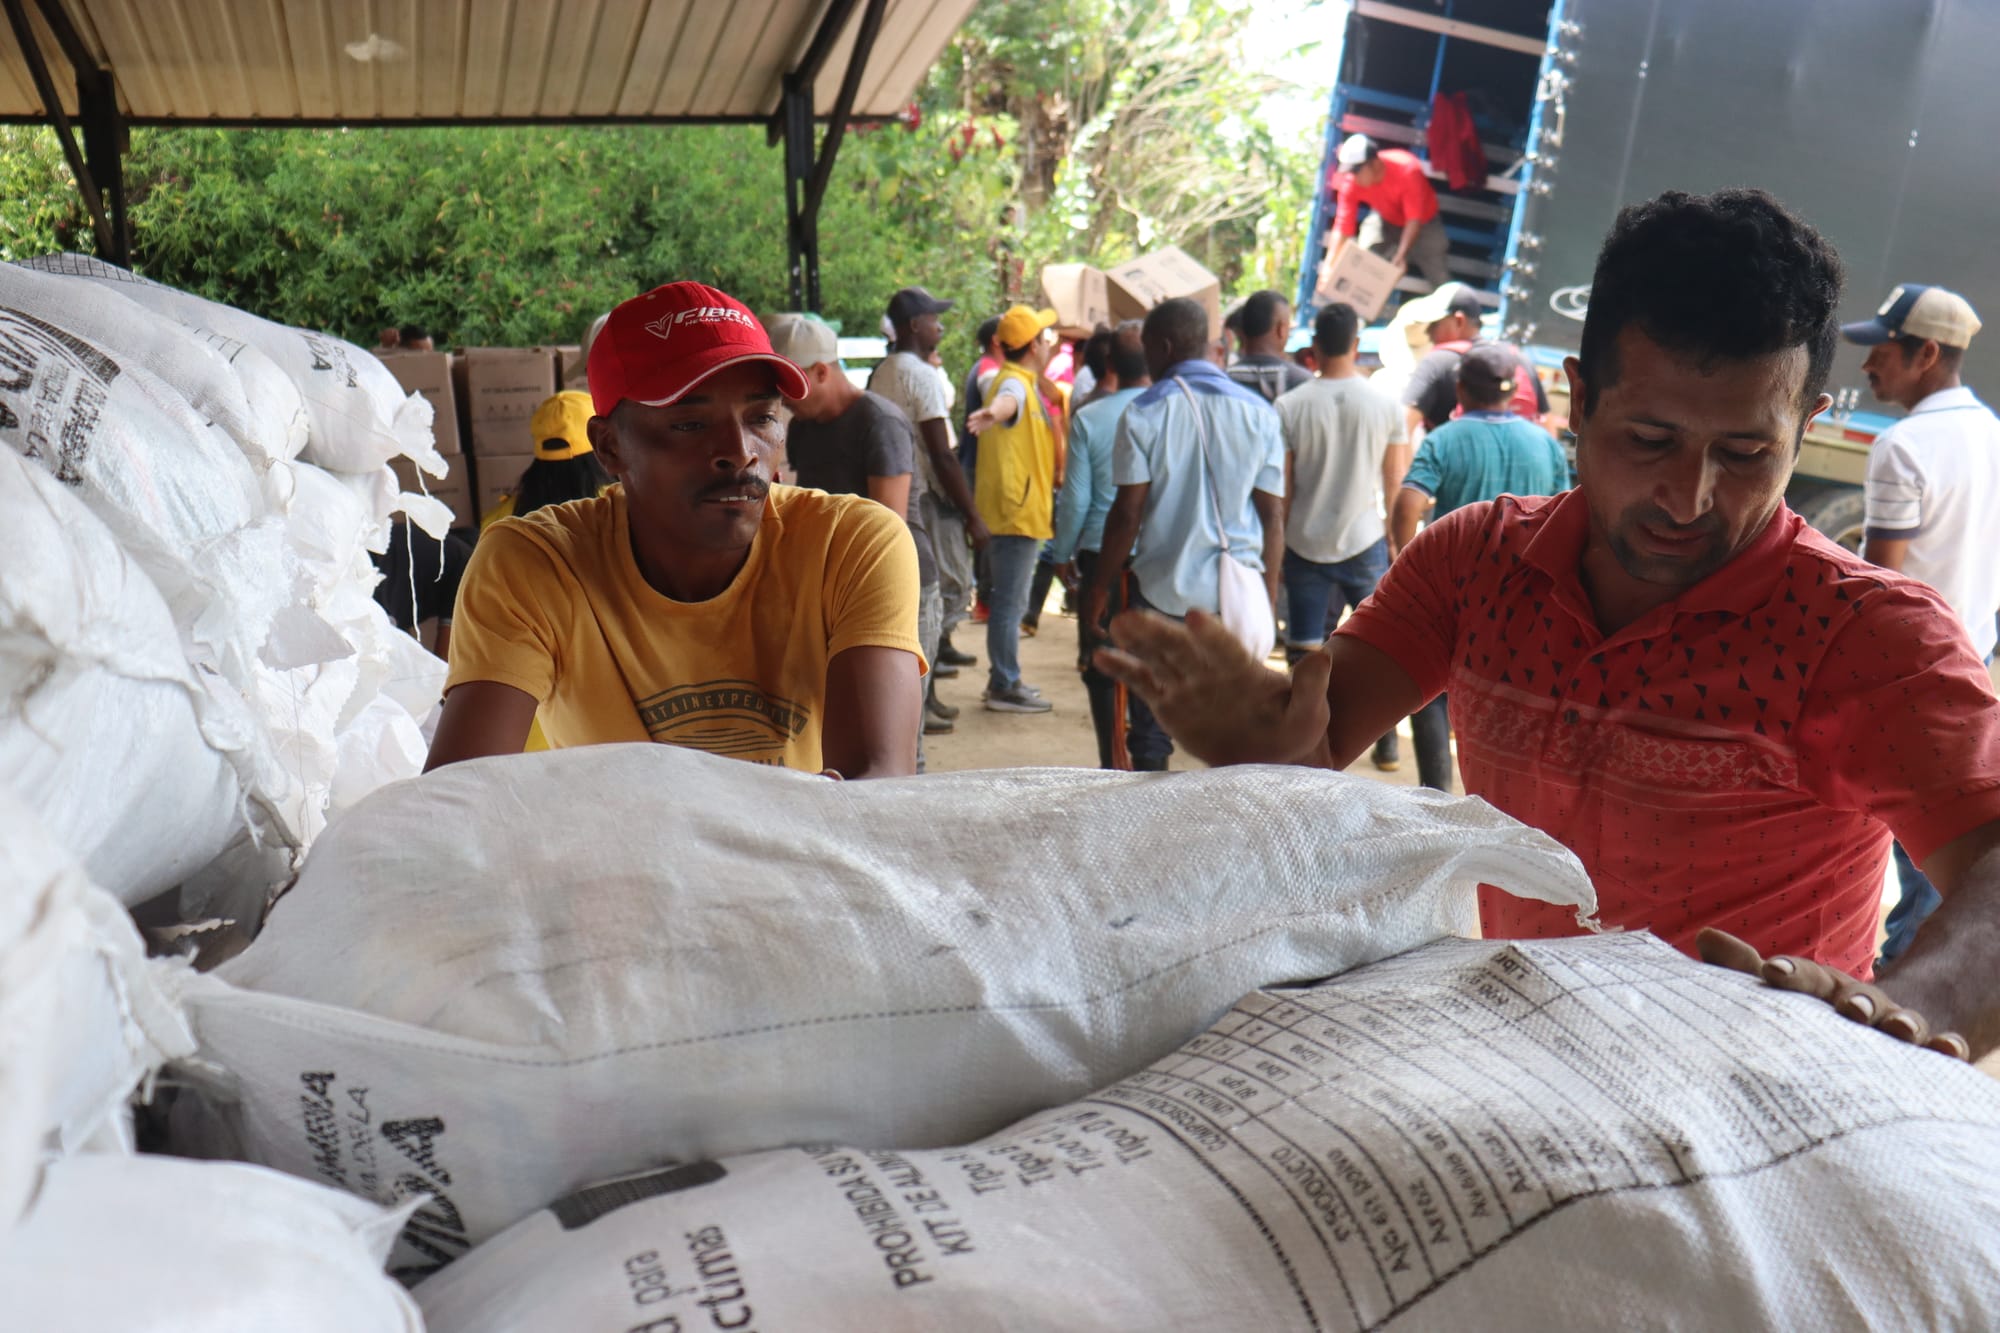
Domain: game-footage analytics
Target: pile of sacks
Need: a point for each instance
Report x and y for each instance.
(194, 674)
(633, 1037)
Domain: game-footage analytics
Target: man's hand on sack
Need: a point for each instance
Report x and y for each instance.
(1222, 705)
(1857, 1000)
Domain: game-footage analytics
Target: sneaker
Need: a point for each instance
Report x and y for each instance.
(939, 726)
(1020, 699)
(951, 656)
(937, 707)
(942, 670)
(1388, 758)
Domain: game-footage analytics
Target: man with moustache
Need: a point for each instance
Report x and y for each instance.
(1723, 714)
(695, 602)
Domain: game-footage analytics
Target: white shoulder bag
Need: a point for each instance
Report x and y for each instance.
(1245, 601)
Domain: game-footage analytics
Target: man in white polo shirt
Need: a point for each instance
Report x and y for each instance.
(1933, 491)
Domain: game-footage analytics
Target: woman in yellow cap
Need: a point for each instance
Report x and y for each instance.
(564, 469)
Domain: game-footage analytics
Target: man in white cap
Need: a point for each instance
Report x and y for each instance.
(1933, 492)
(1403, 225)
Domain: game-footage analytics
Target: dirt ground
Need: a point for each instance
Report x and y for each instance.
(1063, 738)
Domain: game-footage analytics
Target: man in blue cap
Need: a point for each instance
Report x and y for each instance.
(1933, 492)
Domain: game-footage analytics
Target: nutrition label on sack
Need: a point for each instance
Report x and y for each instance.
(1383, 1133)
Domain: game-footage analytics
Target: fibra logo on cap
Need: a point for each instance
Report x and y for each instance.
(664, 326)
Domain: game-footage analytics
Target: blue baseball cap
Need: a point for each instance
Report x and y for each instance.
(1914, 311)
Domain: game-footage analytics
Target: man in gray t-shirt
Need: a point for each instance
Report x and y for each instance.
(1346, 449)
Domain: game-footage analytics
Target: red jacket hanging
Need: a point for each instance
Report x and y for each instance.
(1452, 142)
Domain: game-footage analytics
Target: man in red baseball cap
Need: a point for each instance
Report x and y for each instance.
(695, 602)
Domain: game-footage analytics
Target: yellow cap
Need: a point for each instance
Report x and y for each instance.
(1020, 324)
(561, 426)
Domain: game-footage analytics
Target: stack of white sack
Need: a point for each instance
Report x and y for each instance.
(173, 423)
(514, 976)
(93, 1237)
(1575, 1134)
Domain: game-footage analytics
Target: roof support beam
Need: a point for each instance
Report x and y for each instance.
(843, 106)
(45, 88)
(801, 225)
(831, 25)
(105, 137)
(807, 172)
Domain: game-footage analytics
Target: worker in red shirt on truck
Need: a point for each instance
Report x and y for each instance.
(1391, 181)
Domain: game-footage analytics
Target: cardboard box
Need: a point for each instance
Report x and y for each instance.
(429, 373)
(1079, 296)
(506, 384)
(1138, 286)
(498, 474)
(504, 437)
(569, 367)
(1360, 277)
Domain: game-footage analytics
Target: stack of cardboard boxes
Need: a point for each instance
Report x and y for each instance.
(502, 388)
(482, 400)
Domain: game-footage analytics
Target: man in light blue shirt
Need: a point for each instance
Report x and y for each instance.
(1164, 519)
(1083, 504)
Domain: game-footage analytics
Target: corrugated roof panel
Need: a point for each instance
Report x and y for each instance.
(486, 51)
(438, 55)
(760, 77)
(735, 47)
(315, 78)
(700, 36)
(267, 59)
(646, 72)
(278, 60)
(528, 55)
(204, 32)
(913, 34)
(614, 45)
(397, 71)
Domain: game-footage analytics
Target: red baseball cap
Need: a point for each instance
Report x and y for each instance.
(655, 348)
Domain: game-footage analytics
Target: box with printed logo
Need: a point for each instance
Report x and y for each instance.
(1145, 282)
(506, 384)
(1360, 278)
(1079, 296)
(429, 373)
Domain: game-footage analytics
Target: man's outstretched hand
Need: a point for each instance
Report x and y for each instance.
(1218, 702)
(1858, 1000)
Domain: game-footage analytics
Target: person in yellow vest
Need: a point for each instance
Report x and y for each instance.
(1014, 487)
(565, 466)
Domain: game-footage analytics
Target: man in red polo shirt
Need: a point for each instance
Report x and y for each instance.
(1723, 714)
(1403, 226)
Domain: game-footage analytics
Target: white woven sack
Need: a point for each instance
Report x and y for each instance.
(228, 382)
(358, 416)
(538, 986)
(161, 1245)
(83, 1021)
(138, 764)
(1576, 1135)
(177, 492)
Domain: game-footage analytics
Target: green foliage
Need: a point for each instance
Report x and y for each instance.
(1049, 130)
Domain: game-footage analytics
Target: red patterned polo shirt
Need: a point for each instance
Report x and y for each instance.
(1737, 757)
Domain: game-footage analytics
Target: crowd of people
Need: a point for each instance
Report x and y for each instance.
(1723, 714)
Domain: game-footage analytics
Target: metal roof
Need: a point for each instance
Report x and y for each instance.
(237, 62)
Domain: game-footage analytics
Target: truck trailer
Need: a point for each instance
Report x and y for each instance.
(1872, 121)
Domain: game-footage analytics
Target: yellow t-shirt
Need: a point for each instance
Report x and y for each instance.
(1014, 483)
(554, 604)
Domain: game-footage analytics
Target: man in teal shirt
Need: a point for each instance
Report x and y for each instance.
(1085, 501)
(1482, 454)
